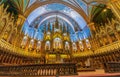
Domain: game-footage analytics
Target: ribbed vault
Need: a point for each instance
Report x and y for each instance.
(39, 3)
(62, 15)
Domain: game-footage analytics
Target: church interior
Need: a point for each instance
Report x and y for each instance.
(66, 38)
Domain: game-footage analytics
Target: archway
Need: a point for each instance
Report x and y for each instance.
(38, 4)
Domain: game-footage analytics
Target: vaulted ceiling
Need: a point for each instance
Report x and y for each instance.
(81, 11)
(88, 9)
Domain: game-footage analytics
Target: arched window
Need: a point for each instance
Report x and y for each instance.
(57, 44)
(31, 45)
(74, 46)
(38, 45)
(67, 47)
(24, 41)
(88, 44)
(81, 45)
(47, 45)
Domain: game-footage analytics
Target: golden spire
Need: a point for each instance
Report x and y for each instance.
(64, 28)
(49, 26)
(56, 23)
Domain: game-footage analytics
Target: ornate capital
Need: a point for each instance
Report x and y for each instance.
(20, 21)
(113, 0)
(91, 26)
(115, 7)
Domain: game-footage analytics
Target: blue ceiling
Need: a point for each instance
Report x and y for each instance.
(38, 34)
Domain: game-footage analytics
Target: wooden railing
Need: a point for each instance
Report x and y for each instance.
(112, 67)
(16, 50)
(104, 49)
(7, 47)
(39, 70)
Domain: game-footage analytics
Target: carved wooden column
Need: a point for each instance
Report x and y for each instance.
(10, 35)
(115, 7)
(20, 22)
(109, 38)
(116, 35)
(4, 17)
(92, 28)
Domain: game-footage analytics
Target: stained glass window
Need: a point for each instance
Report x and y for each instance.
(47, 45)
